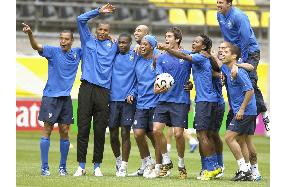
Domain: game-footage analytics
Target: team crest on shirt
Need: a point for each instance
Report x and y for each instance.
(163, 62)
(131, 57)
(109, 44)
(230, 24)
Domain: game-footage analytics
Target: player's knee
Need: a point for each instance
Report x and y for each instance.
(228, 138)
(157, 131)
(63, 131)
(178, 134)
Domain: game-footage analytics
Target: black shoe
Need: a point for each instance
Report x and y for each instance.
(241, 176)
(266, 123)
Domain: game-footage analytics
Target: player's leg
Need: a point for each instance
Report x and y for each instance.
(64, 147)
(126, 147)
(48, 115)
(44, 148)
(235, 129)
(115, 145)
(169, 136)
(100, 122)
(253, 158)
(84, 117)
(65, 118)
(139, 129)
(193, 143)
(180, 145)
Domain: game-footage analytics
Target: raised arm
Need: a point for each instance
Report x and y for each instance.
(246, 66)
(33, 42)
(82, 20)
(176, 53)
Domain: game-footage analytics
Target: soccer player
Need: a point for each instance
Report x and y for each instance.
(236, 29)
(139, 33)
(121, 112)
(206, 99)
(56, 104)
(252, 161)
(93, 98)
(146, 103)
(243, 103)
(173, 105)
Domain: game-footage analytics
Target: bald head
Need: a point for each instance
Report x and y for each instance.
(140, 32)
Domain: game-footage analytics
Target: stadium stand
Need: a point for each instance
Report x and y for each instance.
(265, 19)
(211, 18)
(253, 17)
(177, 16)
(195, 17)
(246, 2)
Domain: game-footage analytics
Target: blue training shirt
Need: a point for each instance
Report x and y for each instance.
(202, 77)
(217, 85)
(236, 29)
(180, 70)
(123, 75)
(237, 89)
(98, 55)
(145, 77)
(62, 69)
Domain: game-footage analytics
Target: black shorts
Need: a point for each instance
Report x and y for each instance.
(245, 126)
(173, 114)
(230, 117)
(219, 117)
(56, 110)
(205, 115)
(143, 119)
(121, 113)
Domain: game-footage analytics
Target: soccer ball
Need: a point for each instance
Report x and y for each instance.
(165, 80)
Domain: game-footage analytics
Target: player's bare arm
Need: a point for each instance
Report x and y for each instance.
(248, 96)
(173, 52)
(246, 66)
(27, 29)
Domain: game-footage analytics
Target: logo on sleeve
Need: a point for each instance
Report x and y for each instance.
(109, 44)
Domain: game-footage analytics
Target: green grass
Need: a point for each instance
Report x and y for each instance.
(28, 166)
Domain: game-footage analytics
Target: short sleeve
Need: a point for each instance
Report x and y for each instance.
(197, 58)
(47, 51)
(244, 80)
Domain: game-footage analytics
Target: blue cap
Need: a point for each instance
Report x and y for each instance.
(151, 39)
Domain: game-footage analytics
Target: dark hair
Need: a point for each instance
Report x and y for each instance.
(230, 1)
(235, 50)
(126, 35)
(206, 41)
(177, 33)
(68, 31)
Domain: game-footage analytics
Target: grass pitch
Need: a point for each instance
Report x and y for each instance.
(28, 165)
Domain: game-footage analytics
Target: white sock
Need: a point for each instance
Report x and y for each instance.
(149, 160)
(124, 165)
(242, 165)
(166, 158)
(254, 169)
(169, 147)
(264, 114)
(248, 165)
(193, 141)
(158, 167)
(143, 163)
(180, 162)
(118, 161)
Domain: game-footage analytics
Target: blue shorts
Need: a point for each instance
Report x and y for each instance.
(56, 110)
(219, 117)
(205, 115)
(245, 126)
(121, 113)
(172, 114)
(143, 119)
